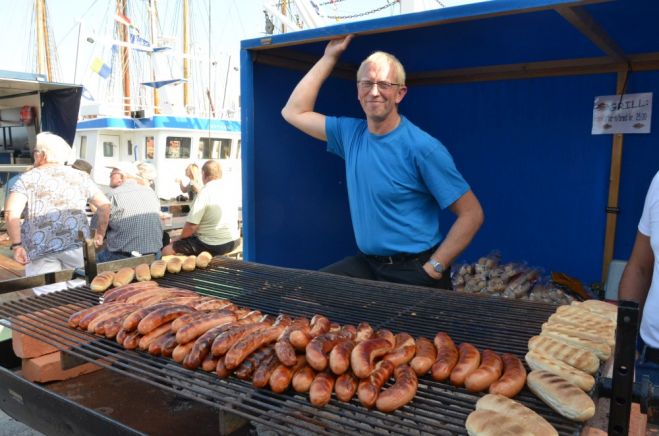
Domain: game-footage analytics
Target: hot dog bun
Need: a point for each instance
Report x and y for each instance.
(102, 281)
(123, 277)
(561, 395)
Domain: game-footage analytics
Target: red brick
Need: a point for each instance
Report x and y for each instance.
(27, 347)
(49, 368)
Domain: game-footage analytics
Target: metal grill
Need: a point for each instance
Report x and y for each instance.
(438, 408)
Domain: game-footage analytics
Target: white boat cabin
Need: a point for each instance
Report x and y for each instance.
(170, 143)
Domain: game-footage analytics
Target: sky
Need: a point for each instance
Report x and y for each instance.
(74, 23)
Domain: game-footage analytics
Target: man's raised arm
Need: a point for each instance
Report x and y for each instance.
(299, 108)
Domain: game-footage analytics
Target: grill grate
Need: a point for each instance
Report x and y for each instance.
(438, 408)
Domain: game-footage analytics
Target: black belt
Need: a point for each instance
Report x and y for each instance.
(651, 354)
(402, 257)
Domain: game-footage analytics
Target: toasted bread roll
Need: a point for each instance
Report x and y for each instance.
(123, 277)
(537, 360)
(603, 351)
(189, 264)
(580, 359)
(142, 272)
(174, 265)
(580, 316)
(530, 421)
(603, 308)
(158, 268)
(203, 259)
(102, 281)
(561, 395)
(604, 335)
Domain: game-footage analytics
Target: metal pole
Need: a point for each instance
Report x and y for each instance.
(75, 64)
(226, 81)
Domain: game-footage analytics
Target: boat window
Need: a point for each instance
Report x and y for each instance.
(130, 148)
(108, 148)
(83, 147)
(149, 148)
(214, 148)
(178, 147)
(238, 149)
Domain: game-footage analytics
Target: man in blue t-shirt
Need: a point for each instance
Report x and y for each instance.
(398, 176)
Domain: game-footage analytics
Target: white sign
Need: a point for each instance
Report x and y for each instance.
(627, 113)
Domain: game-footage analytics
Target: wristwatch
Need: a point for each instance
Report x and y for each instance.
(437, 266)
(18, 244)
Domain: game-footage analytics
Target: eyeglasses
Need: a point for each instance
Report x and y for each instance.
(367, 85)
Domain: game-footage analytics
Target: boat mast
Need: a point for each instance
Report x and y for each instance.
(122, 32)
(154, 35)
(44, 65)
(186, 50)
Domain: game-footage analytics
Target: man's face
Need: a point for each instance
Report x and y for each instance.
(379, 103)
(116, 178)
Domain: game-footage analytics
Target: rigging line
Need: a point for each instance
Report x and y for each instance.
(209, 71)
(76, 25)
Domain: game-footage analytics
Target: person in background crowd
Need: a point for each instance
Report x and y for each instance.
(147, 173)
(640, 283)
(212, 223)
(55, 196)
(398, 176)
(82, 165)
(195, 184)
(134, 216)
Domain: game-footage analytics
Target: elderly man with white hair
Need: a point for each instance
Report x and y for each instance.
(55, 196)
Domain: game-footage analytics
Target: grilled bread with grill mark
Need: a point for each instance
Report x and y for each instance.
(584, 360)
(537, 360)
(561, 395)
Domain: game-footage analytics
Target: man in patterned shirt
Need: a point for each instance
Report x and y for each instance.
(135, 224)
(55, 196)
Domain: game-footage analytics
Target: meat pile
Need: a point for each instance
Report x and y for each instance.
(314, 356)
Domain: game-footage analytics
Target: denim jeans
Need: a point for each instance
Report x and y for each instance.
(106, 256)
(643, 366)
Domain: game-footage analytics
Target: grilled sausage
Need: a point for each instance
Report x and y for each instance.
(487, 373)
(364, 353)
(244, 347)
(117, 294)
(402, 391)
(281, 377)
(132, 340)
(253, 361)
(302, 379)
(181, 351)
(200, 326)
(447, 357)
(146, 340)
(202, 345)
(388, 335)
(263, 372)
(513, 379)
(345, 387)
(161, 316)
(339, 358)
(403, 351)
(426, 355)
(369, 388)
(284, 348)
(85, 316)
(364, 331)
(227, 339)
(209, 363)
(320, 391)
(157, 345)
(186, 319)
(132, 320)
(221, 369)
(469, 360)
(318, 349)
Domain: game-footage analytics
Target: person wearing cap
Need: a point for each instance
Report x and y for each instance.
(55, 196)
(212, 223)
(82, 165)
(134, 227)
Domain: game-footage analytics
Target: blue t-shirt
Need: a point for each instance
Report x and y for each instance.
(397, 184)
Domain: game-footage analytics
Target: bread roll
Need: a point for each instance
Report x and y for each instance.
(189, 264)
(531, 421)
(174, 265)
(579, 316)
(603, 335)
(123, 277)
(102, 281)
(158, 268)
(142, 272)
(603, 351)
(561, 395)
(203, 259)
(537, 360)
(573, 356)
(600, 307)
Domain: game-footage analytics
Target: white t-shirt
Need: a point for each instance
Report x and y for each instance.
(215, 211)
(649, 226)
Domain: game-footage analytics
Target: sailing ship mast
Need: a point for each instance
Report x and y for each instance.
(186, 50)
(122, 31)
(44, 63)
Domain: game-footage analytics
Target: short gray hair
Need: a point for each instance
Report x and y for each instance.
(53, 147)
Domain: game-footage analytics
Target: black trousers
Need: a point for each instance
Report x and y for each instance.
(408, 271)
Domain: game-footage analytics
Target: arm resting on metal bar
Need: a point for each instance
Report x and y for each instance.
(637, 276)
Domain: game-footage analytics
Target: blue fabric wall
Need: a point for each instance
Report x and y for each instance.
(524, 146)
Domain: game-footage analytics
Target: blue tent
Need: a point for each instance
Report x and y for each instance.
(508, 86)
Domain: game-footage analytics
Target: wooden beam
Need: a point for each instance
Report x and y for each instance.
(614, 190)
(587, 25)
(568, 67)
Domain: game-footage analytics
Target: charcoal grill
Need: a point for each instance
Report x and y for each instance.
(438, 408)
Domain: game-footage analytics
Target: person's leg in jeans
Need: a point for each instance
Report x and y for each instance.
(351, 266)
